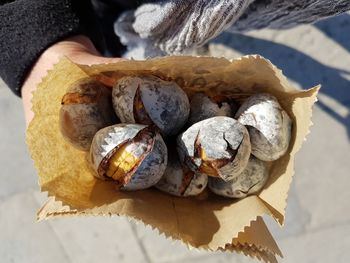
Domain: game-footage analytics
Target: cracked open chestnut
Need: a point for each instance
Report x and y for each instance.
(204, 107)
(178, 180)
(218, 147)
(268, 124)
(86, 108)
(150, 100)
(133, 155)
(249, 182)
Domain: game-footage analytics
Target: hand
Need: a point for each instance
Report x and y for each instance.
(79, 49)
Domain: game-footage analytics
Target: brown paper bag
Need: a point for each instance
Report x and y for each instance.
(207, 221)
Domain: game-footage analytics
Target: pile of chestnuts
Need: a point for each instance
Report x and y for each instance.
(145, 132)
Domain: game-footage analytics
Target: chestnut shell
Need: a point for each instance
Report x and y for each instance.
(202, 107)
(268, 124)
(164, 103)
(107, 141)
(180, 181)
(249, 182)
(225, 142)
(86, 108)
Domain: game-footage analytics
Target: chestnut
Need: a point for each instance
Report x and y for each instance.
(133, 155)
(268, 124)
(217, 146)
(203, 107)
(151, 101)
(86, 108)
(178, 180)
(249, 182)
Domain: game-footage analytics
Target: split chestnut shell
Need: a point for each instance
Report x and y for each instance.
(218, 147)
(249, 182)
(203, 107)
(133, 155)
(150, 100)
(268, 124)
(86, 108)
(178, 180)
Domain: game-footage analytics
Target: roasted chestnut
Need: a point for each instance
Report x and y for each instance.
(218, 147)
(151, 101)
(249, 182)
(133, 155)
(202, 107)
(178, 180)
(268, 124)
(86, 108)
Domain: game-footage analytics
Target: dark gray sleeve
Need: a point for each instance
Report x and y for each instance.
(28, 27)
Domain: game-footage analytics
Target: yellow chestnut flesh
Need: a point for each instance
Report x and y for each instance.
(126, 159)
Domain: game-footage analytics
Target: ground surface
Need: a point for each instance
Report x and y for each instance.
(318, 215)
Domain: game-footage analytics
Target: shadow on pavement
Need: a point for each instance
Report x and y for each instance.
(299, 67)
(337, 28)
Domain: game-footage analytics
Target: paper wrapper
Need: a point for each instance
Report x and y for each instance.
(209, 222)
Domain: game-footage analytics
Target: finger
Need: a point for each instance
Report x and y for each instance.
(90, 59)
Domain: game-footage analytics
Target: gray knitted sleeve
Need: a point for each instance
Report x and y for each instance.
(180, 24)
(281, 14)
(174, 26)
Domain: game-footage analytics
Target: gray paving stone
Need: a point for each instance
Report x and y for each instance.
(163, 250)
(221, 258)
(40, 197)
(98, 239)
(318, 197)
(159, 248)
(322, 172)
(17, 172)
(297, 218)
(22, 240)
(321, 246)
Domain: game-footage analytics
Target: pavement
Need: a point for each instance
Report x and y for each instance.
(317, 227)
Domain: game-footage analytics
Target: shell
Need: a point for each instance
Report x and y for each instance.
(153, 161)
(268, 124)
(86, 108)
(108, 139)
(123, 95)
(151, 169)
(202, 107)
(163, 103)
(180, 181)
(225, 143)
(249, 182)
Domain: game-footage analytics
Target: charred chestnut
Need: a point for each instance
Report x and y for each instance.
(249, 182)
(150, 100)
(268, 124)
(86, 108)
(204, 107)
(218, 147)
(133, 155)
(178, 180)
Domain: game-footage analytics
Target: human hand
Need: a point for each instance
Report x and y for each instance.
(79, 49)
